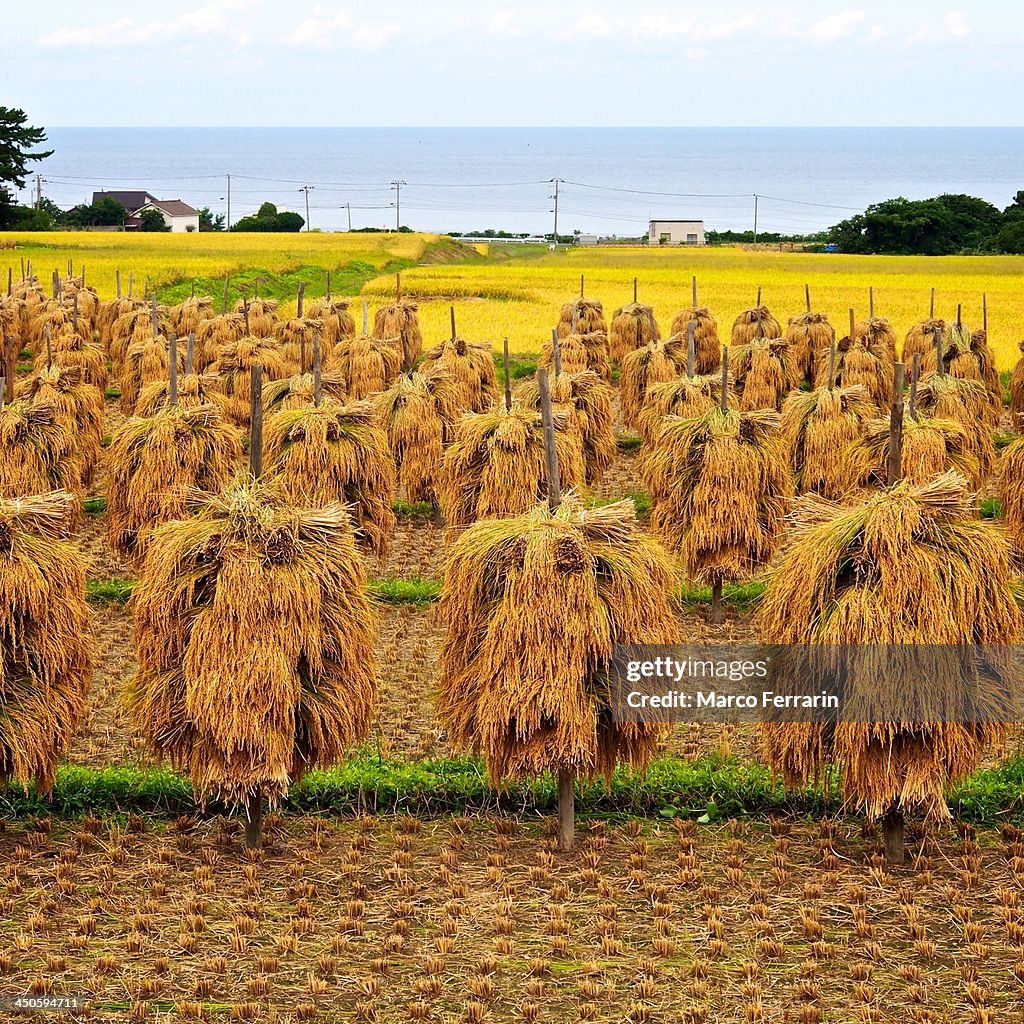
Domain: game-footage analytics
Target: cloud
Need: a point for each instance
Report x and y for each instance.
(318, 32)
(835, 27)
(202, 22)
(592, 25)
(374, 37)
(954, 25)
(503, 23)
(662, 26)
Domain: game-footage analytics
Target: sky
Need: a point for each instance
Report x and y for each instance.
(532, 62)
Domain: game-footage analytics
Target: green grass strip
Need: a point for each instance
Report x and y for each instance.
(113, 591)
(411, 590)
(990, 508)
(628, 442)
(94, 506)
(709, 788)
(741, 596)
(413, 509)
(641, 500)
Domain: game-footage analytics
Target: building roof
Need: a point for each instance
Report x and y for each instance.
(172, 207)
(669, 220)
(129, 199)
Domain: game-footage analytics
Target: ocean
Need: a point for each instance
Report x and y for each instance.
(612, 181)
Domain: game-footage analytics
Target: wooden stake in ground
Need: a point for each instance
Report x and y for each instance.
(190, 352)
(716, 588)
(871, 303)
(566, 791)
(556, 352)
(508, 376)
(832, 361)
(581, 286)
(328, 286)
(894, 467)
(694, 291)
(317, 375)
(691, 348)
(940, 366)
(117, 280)
(131, 282)
(172, 386)
(366, 318)
(931, 307)
(807, 296)
(915, 374)
(49, 348)
(254, 800)
(451, 310)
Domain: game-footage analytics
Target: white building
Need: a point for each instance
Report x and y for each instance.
(178, 215)
(676, 232)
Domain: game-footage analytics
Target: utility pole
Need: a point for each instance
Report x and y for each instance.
(755, 217)
(348, 207)
(39, 190)
(307, 189)
(557, 181)
(229, 203)
(397, 185)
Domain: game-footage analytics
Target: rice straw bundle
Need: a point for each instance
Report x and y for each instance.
(329, 453)
(194, 390)
(60, 322)
(366, 364)
(809, 337)
(156, 461)
(13, 322)
(1017, 388)
(581, 316)
(37, 451)
(109, 313)
(756, 322)
(589, 404)
(299, 390)
(967, 356)
(400, 321)
(1011, 494)
(78, 407)
(471, 366)
(966, 402)
(419, 412)
(213, 336)
(496, 464)
(255, 640)
(295, 337)
(234, 369)
(260, 315)
(338, 322)
(707, 348)
(654, 363)
(533, 606)
(879, 337)
(910, 566)
(719, 485)
(131, 328)
(68, 350)
(685, 397)
(931, 447)
(819, 427)
(46, 641)
(764, 373)
(146, 362)
(577, 353)
(858, 365)
(186, 316)
(920, 339)
(633, 327)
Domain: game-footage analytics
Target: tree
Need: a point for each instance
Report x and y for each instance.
(104, 212)
(267, 218)
(209, 221)
(267, 210)
(153, 220)
(16, 139)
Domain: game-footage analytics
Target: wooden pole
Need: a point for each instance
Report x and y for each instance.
(49, 348)
(581, 286)
(634, 291)
(224, 301)
(398, 288)
(172, 387)
(716, 588)
(758, 303)
(832, 361)
(940, 367)
(508, 376)
(256, 421)
(301, 298)
(871, 303)
(302, 352)
(366, 317)
(117, 282)
(23, 268)
(10, 281)
(853, 324)
(894, 832)
(328, 286)
(556, 352)
(931, 307)
(245, 315)
(317, 381)
(566, 794)
(254, 820)
(807, 296)
(915, 373)
(451, 310)
(894, 467)
(131, 282)
(691, 348)
(154, 318)
(959, 315)
(74, 312)
(190, 352)
(694, 284)
(760, 322)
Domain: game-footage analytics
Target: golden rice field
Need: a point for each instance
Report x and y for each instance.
(496, 296)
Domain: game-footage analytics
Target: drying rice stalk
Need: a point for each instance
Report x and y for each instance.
(910, 566)
(153, 464)
(920, 339)
(471, 366)
(338, 323)
(78, 407)
(719, 485)
(260, 315)
(234, 369)
(1017, 388)
(1011, 494)
(966, 402)
(255, 641)
(298, 391)
(47, 643)
(366, 364)
(633, 327)
(400, 321)
(809, 337)
(69, 351)
(684, 397)
(186, 316)
(330, 453)
(707, 347)
(581, 316)
(967, 356)
(654, 363)
(578, 353)
(146, 362)
(419, 413)
(215, 335)
(496, 464)
(135, 327)
(588, 402)
(879, 337)
(37, 451)
(819, 427)
(534, 605)
(764, 373)
(756, 322)
(194, 390)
